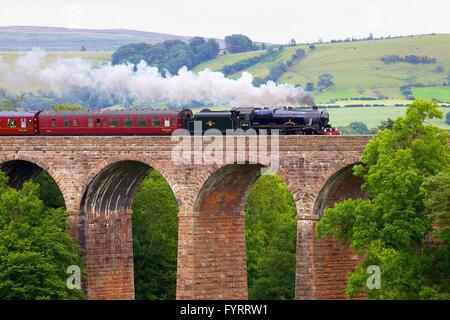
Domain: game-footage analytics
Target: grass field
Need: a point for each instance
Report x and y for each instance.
(358, 71)
(372, 116)
(262, 69)
(439, 93)
(218, 63)
(94, 57)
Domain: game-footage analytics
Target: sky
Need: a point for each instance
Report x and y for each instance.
(275, 21)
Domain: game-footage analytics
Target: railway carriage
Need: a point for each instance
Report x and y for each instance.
(18, 123)
(136, 122)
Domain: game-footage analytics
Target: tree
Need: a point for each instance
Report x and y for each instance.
(35, 247)
(386, 124)
(325, 80)
(238, 43)
(132, 53)
(293, 43)
(155, 239)
(169, 55)
(271, 239)
(68, 107)
(309, 86)
(401, 168)
(312, 46)
(204, 50)
(49, 192)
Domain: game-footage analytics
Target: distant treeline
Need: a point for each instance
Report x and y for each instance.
(413, 59)
(170, 55)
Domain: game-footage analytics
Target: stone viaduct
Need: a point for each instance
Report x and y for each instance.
(97, 177)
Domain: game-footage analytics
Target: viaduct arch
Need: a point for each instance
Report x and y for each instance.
(99, 175)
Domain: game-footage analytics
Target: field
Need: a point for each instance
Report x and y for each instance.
(440, 93)
(358, 71)
(227, 59)
(94, 57)
(372, 116)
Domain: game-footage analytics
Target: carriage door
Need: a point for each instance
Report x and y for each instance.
(23, 125)
(100, 125)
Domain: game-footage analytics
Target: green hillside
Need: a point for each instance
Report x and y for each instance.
(23, 38)
(358, 71)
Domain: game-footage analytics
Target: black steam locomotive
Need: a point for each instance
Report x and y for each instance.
(287, 120)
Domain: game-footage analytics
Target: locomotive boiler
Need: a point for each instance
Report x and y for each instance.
(286, 120)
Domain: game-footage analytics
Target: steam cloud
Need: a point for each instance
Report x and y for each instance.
(144, 83)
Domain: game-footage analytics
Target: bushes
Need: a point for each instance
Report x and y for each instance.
(413, 59)
(241, 65)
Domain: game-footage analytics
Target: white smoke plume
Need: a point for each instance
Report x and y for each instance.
(144, 83)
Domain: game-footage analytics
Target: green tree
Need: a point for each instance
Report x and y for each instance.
(309, 86)
(325, 81)
(238, 43)
(389, 228)
(68, 107)
(386, 124)
(49, 192)
(355, 128)
(35, 248)
(155, 239)
(169, 55)
(271, 240)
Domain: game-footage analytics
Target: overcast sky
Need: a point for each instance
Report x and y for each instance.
(274, 21)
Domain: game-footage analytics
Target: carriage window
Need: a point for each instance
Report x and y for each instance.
(104, 122)
(23, 123)
(53, 122)
(11, 123)
(142, 122)
(128, 122)
(114, 123)
(156, 122)
(174, 122)
(90, 123)
(66, 123)
(74, 122)
(166, 122)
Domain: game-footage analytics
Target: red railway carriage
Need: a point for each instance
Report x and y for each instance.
(130, 122)
(18, 123)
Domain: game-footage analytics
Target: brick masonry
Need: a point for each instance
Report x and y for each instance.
(98, 176)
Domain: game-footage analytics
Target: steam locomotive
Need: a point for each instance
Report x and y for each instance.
(162, 122)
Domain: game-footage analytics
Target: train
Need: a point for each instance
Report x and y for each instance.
(162, 122)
